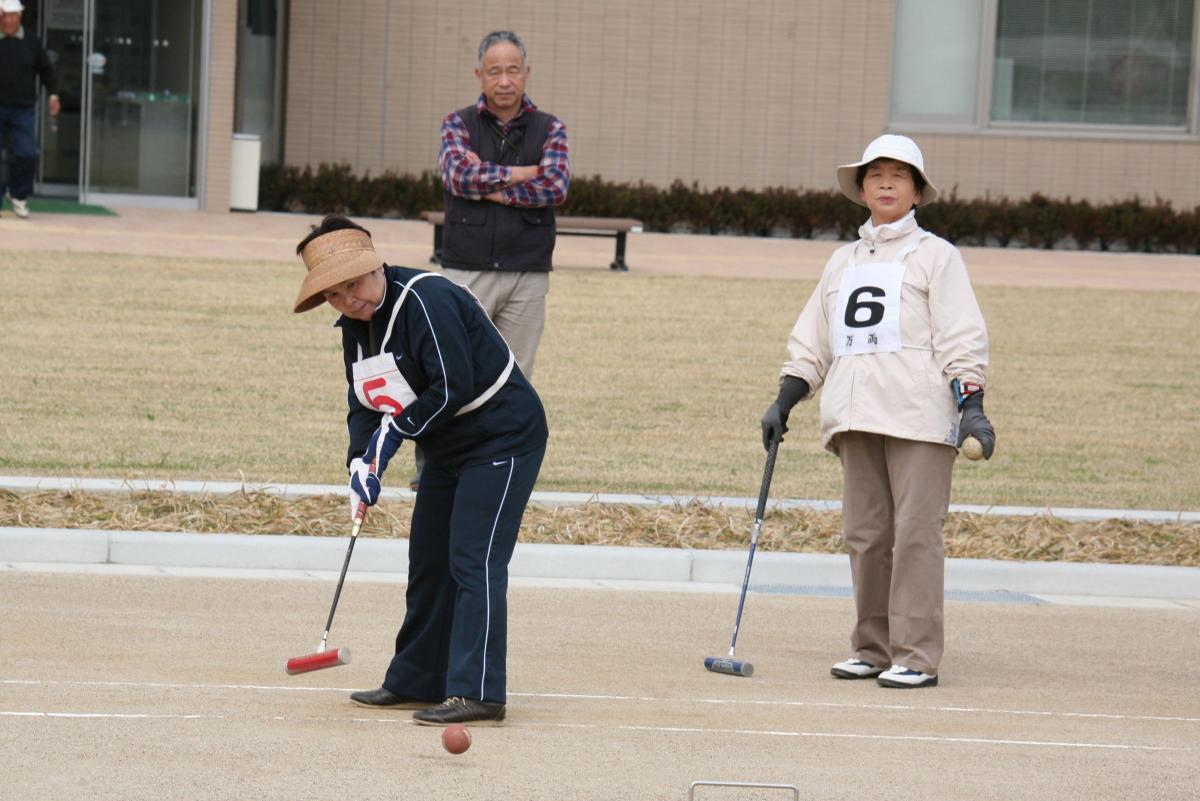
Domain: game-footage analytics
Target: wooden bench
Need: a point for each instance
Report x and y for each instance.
(612, 227)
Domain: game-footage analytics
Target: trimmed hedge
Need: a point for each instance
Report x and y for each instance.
(1038, 222)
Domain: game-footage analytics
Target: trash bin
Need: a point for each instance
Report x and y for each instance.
(244, 163)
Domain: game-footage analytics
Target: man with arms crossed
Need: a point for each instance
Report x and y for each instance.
(505, 167)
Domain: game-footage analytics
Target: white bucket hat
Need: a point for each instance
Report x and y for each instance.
(888, 146)
(11, 6)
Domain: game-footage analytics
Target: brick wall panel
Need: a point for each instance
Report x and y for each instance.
(749, 93)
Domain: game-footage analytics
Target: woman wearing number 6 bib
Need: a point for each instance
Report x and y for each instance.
(424, 362)
(895, 338)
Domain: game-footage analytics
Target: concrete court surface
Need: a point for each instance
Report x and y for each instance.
(137, 687)
(273, 237)
(153, 687)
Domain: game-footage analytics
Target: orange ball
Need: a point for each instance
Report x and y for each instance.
(455, 738)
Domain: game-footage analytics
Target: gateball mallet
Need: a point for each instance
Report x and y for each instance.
(322, 658)
(730, 664)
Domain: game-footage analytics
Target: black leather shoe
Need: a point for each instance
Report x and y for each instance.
(460, 710)
(385, 699)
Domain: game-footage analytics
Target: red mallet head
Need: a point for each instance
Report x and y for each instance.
(318, 661)
(455, 738)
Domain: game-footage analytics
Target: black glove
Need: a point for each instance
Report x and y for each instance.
(774, 422)
(975, 424)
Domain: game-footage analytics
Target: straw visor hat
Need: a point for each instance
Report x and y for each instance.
(331, 259)
(888, 146)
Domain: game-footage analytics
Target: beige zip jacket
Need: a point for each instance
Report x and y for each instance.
(903, 393)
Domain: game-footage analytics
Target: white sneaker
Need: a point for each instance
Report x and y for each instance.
(20, 207)
(905, 678)
(855, 668)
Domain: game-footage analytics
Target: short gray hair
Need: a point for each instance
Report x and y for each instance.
(495, 38)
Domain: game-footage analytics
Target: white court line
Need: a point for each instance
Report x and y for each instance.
(651, 729)
(177, 686)
(636, 698)
(887, 707)
(111, 715)
(912, 738)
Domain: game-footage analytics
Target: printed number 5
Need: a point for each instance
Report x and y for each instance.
(873, 308)
(380, 401)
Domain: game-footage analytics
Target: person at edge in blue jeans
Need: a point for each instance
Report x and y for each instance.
(22, 61)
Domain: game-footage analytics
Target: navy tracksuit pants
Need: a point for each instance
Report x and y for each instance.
(454, 638)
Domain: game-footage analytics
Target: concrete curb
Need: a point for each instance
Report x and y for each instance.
(579, 562)
(36, 483)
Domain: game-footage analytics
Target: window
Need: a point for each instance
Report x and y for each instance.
(937, 46)
(1043, 63)
(1112, 62)
(258, 104)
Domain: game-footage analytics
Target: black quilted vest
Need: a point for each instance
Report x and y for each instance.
(482, 235)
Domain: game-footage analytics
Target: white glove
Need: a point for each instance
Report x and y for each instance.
(357, 468)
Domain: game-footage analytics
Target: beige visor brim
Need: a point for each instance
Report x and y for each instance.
(331, 259)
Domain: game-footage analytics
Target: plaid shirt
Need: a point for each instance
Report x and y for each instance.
(473, 180)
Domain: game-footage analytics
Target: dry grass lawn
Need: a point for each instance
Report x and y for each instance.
(190, 369)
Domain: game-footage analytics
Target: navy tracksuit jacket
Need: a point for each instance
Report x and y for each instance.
(479, 472)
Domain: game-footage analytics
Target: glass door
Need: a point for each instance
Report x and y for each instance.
(60, 24)
(141, 79)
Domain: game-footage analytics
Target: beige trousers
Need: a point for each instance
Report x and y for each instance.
(895, 494)
(516, 302)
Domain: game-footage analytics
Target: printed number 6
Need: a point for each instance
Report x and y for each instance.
(873, 308)
(380, 401)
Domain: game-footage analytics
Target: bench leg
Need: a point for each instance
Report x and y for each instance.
(619, 263)
(436, 258)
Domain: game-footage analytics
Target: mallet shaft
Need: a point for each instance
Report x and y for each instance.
(359, 515)
(759, 514)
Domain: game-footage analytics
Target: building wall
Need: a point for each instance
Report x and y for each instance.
(1093, 169)
(221, 81)
(738, 93)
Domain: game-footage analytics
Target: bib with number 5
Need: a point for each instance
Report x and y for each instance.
(377, 382)
(379, 385)
(867, 317)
